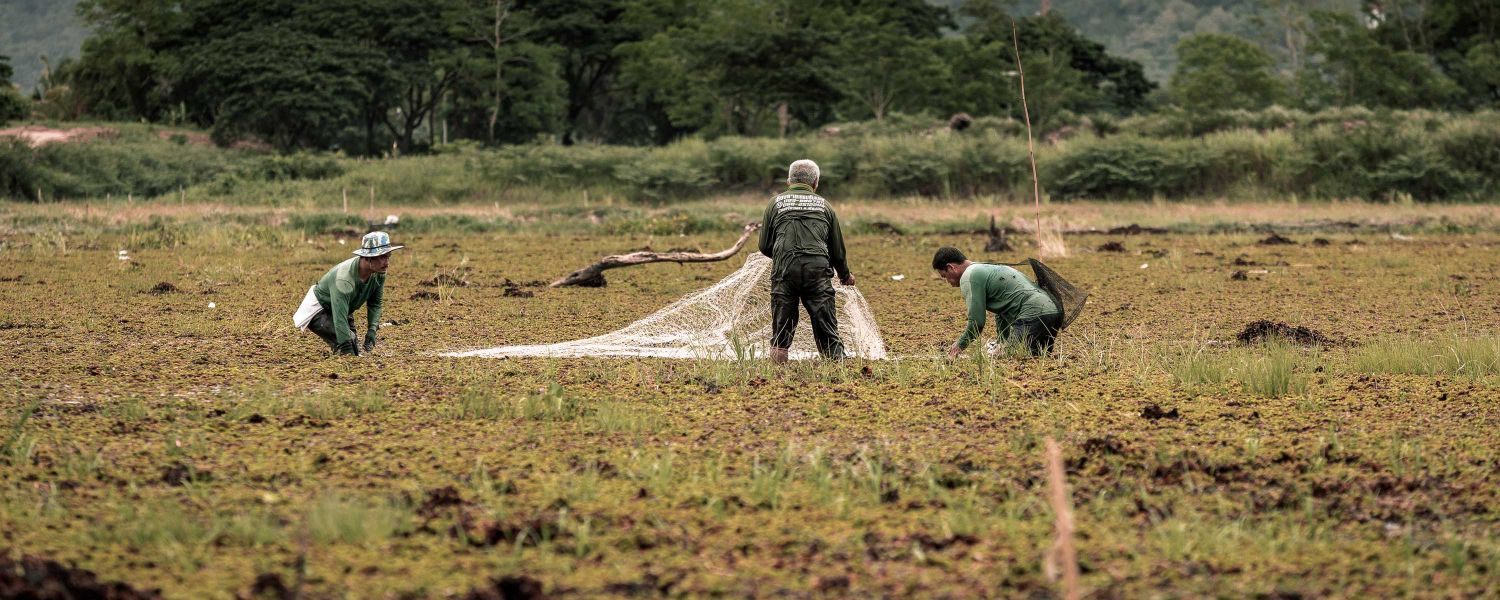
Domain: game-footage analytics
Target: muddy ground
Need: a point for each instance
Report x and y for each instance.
(166, 427)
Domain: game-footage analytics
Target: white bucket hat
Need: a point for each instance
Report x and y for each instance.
(376, 243)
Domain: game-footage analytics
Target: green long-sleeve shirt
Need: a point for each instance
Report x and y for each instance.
(798, 222)
(341, 292)
(1004, 291)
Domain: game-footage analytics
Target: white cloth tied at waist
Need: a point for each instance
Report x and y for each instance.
(309, 309)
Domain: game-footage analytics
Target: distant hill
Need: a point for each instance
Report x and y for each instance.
(32, 29)
(1147, 31)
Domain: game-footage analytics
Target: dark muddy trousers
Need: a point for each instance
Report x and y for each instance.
(322, 324)
(1037, 334)
(808, 280)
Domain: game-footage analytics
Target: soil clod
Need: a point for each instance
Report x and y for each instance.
(180, 473)
(425, 295)
(446, 279)
(439, 499)
(1112, 247)
(34, 577)
(164, 287)
(1238, 275)
(1154, 412)
(510, 587)
(513, 290)
(1276, 239)
(1263, 330)
(1321, 242)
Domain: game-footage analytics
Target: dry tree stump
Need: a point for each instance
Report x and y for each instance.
(593, 275)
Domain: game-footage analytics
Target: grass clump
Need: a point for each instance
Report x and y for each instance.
(335, 519)
(1198, 368)
(1274, 374)
(1455, 356)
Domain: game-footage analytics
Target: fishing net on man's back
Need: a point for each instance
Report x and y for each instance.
(731, 319)
(1070, 299)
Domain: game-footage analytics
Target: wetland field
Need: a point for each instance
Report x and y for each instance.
(164, 426)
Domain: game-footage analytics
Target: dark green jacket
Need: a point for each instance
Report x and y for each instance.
(341, 292)
(799, 222)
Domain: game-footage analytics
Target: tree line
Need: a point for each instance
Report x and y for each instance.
(378, 76)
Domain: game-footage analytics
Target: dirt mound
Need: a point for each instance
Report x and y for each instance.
(34, 577)
(1154, 412)
(1112, 247)
(1134, 229)
(1321, 242)
(510, 587)
(1239, 275)
(424, 295)
(37, 137)
(164, 287)
(1262, 331)
(1275, 239)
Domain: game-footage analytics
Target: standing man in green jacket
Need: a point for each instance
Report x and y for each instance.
(801, 235)
(328, 309)
(1024, 314)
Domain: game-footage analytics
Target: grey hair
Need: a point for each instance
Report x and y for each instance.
(803, 171)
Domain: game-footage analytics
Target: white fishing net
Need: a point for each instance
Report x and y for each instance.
(730, 320)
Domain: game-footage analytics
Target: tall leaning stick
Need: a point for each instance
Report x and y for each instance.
(1036, 186)
(1063, 556)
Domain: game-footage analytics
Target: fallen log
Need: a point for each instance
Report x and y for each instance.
(593, 275)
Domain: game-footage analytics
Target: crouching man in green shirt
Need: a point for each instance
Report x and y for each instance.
(328, 308)
(1024, 314)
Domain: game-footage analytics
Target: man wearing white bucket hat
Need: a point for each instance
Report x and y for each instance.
(328, 308)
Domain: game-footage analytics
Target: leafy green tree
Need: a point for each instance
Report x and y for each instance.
(1352, 66)
(1222, 72)
(1107, 82)
(741, 62)
(291, 88)
(6, 72)
(887, 55)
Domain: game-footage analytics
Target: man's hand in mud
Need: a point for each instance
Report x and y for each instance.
(953, 351)
(848, 280)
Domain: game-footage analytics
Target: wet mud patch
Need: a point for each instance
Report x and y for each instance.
(1239, 275)
(1111, 247)
(1265, 331)
(164, 287)
(33, 577)
(424, 295)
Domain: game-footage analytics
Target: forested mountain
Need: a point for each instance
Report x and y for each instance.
(32, 29)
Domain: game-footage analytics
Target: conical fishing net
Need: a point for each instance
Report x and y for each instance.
(730, 320)
(1070, 299)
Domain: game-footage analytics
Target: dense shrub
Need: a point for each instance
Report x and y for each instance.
(1344, 153)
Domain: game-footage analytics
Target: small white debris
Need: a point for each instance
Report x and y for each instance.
(342, 242)
(1144, 265)
(211, 305)
(392, 220)
(1400, 238)
(897, 277)
(123, 255)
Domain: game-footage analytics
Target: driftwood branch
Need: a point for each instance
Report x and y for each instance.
(593, 275)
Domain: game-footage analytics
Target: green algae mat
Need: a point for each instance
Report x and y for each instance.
(165, 426)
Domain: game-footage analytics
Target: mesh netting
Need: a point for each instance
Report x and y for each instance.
(1070, 299)
(731, 319)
